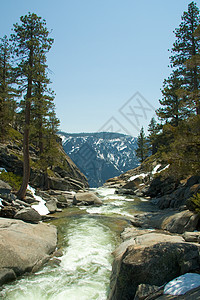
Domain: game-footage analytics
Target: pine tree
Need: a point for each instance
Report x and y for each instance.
(184, 52)
(7, 92)
(174, 103)
(142, 146)
(153, 130)
(31, 43)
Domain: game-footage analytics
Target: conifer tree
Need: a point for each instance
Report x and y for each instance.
(184, 52)
(174, 103)
(31, 43)
(142, 146)
(153, 130)
(7, 92)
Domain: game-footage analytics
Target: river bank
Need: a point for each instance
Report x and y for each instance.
(87, 235)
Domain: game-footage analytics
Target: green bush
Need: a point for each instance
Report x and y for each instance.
(13, 180)
(193, 203)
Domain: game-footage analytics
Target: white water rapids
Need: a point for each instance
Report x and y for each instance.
(87, 237)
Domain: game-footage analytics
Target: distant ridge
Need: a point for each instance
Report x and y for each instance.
(100, 155)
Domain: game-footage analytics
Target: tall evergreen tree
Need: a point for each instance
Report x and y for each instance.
(142, 146)
(7, 92)
(174, 103)
(184, 52)
(31, 42)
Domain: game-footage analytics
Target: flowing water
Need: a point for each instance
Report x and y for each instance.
(87, 236)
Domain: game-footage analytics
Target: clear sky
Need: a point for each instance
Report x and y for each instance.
(109, 57)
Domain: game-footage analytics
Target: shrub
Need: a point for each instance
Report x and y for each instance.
(13, 180)
(193, 203)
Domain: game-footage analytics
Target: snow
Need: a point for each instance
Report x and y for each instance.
(182, 284)
(137, 176)
(154, 171)
(1, 202)
(2, 169)
(40, 207)
(63, 138)
(164, 168)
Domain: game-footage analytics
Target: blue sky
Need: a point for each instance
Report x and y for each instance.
(109, 58)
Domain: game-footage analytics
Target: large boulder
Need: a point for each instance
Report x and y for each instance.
(86, 198)
(151, 258)
(170, 220)
(28, 214)
(24, 246)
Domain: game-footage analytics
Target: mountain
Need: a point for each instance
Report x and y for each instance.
(100, 155)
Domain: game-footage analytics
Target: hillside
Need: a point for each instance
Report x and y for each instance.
(100, 155)
(62, 174)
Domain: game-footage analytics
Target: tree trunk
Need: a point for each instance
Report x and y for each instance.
(26, 163)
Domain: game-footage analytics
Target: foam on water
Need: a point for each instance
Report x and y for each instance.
(84, 270)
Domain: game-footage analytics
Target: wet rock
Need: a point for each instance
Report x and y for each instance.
(86, 198)
(6, 275)
(28, 215)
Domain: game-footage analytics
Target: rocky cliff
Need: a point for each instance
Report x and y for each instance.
(63, 175)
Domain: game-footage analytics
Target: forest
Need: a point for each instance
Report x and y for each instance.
(175, 137)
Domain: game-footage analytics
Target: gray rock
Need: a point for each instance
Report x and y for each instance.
(192, 237)
(51, 205)
(22, 203)
(86, 198)
(28, 215)
(6, 275)
(150, 258)
(181, 222)
(145, 290)
(5, 188)
(24, 245)
(170, 220)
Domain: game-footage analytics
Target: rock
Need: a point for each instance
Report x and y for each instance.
(145, 290)
(133, 184)
(150, 258)
(6, 275)
(23, 203)
(5, 188)
(8, 211)
(86, 198)
(64, 184)
(30, 200)
(192, 237)
(28, 215)
(51, 205)
(64, 200)
(24, 245)
(181, 222)
(170, 220)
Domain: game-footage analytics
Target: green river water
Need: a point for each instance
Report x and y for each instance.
(87, 236)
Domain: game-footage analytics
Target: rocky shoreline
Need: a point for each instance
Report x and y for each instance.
(158, 246)
(155, 248)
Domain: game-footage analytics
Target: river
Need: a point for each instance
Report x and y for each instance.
(87, 236)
